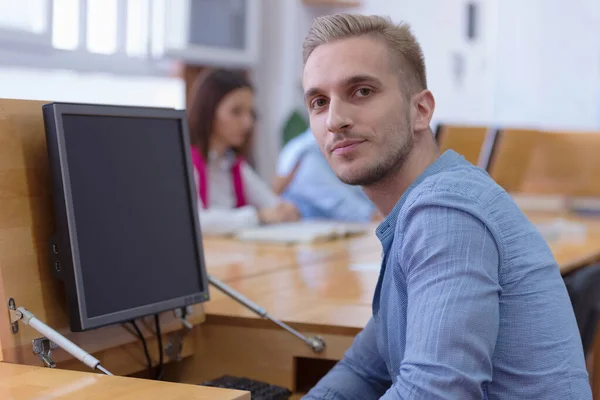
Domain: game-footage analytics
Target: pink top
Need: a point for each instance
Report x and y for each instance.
(236, 176)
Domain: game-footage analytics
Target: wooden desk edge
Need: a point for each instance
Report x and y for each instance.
(67, 383)
(251, 322)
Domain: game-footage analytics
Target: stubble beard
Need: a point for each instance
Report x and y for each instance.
(386, 164)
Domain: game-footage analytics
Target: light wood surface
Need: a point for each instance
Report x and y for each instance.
(22, 382)
(334, 291)
(26, 223)
(465, 140)
(547, 163)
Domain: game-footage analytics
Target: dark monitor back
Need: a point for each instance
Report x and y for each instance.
(134, 239)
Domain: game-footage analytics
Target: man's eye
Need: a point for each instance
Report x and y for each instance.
(363, 92)
(318, 103)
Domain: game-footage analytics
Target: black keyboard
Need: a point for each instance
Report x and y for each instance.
(258, 390)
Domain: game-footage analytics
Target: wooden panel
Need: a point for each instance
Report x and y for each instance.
(548, 163)
(465, 140)
(261, 352)
(512, 156)
(26, 223)
(26, 382)
(565, 162)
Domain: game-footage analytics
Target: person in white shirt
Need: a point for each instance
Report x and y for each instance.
(231, 196)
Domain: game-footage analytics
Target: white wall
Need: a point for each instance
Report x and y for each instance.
(536, 62)
(518, 80)
(548, 64)
(458, 70)
(272, 87)
(570, 67)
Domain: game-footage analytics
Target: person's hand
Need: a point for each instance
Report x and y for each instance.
(282, 212)
(289, 211)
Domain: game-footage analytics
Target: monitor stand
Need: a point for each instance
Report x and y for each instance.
(316, 343)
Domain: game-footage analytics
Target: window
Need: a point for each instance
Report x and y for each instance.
(158, 24)
(65, 34)
(214, 31)
(24, 15)
(138, 28)
(128, 36)
(101, 26)
(24, 21)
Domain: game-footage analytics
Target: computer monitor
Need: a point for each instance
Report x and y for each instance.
(128, 241)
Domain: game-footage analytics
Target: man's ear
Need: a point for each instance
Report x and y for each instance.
(425, 105)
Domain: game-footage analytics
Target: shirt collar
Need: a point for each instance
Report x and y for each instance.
(224, 162)
(385, 230)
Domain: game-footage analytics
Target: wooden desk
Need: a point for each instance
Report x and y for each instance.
(23, 382)
(334, 287)
(230, 260)
(575, 254)
(324, 290)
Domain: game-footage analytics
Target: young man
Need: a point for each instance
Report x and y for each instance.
(470, 303)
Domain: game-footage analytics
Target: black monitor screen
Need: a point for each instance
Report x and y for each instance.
(132, 211)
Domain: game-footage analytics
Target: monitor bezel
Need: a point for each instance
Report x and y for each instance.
(81, 321)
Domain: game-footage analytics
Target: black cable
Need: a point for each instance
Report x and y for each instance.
(161, 369)
(143, 340)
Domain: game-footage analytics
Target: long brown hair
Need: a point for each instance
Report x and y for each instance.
(207, 92)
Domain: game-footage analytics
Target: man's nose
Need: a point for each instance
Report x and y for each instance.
(338, 119)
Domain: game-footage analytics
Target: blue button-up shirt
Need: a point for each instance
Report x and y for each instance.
(469, 304)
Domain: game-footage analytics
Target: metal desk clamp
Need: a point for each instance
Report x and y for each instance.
(43, 348)
(175, 344)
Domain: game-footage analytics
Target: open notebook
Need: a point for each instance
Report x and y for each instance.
(310, 231)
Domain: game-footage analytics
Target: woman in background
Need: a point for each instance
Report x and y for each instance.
(231, 196)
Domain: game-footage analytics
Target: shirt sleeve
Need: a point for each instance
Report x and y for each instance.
(221, 221)
(317, 186)
(360, 375)
(293, 151)
(258, 193)
(450, 262)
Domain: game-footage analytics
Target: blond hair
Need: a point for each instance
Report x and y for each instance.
(403, 46)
